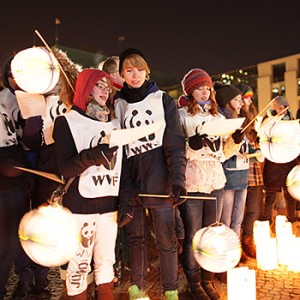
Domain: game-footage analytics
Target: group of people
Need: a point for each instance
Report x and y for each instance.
(114, 189)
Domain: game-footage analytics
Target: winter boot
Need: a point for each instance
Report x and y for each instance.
(210, 290)
(197, 291)
(105, 291)
(136, 293)
(171, 295)
(249, 246)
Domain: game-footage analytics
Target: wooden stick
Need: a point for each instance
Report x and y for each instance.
(182, 197)
(253, 120)
(60, 67)
(43, 174)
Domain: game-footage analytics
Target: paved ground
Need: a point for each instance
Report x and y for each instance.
(275, 284)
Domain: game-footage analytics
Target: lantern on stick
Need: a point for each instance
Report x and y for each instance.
(217, 248)
(35, 70)
(49, 234)
(279, 140)
(293, 182)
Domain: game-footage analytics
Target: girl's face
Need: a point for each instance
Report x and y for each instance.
(100, 92)
(237, 103)
(134, 77)
(201, 94)
(247, 101)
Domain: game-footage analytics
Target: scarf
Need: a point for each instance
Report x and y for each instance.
(97, 112)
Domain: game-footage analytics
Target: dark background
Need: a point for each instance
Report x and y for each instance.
(175, 36)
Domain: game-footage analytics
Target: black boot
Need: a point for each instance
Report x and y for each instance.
(197, 291)
(210, 290)
(22, 291)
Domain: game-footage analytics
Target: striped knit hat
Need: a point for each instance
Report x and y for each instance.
(246, 90)
(194, 79)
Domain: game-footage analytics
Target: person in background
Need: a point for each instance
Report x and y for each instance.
(156, 165)
(275, 174)
(14, 184)
(82, 151)
(236, 168)
(204, 175)
(33, 278)
(254, 199)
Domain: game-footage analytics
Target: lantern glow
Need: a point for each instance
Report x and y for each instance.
(293, 182)
(35, 70)
(49, 235)
(217, 248)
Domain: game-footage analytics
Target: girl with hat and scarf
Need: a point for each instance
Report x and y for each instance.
(82, 150)
(204, 174)
(156, 165)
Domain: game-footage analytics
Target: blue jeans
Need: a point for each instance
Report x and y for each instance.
(166, 241)
(253, 209)
(233, 209)
(195, 215)
(12, 208)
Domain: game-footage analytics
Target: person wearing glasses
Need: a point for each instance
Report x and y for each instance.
(82, 150)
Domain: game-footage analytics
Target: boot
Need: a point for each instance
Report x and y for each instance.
(22, 291)
(197, 291)
(171, 295)
(105, 291)
(81, 296)
(136, 293)
(210, 290)
(249, 246)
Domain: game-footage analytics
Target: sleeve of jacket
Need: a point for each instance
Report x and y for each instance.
(69, 161)
(174, 143)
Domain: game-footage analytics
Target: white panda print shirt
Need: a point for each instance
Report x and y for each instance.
(95, 181)
(143, 113)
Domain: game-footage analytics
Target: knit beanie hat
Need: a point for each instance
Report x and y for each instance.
(246, 90)
(225, 93)
(126, 53)
(282, 100)
(194, 79)
(85, 82)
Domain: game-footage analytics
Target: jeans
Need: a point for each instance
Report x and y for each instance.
(253, 209)
(233, 209)
(290, 204)
(164, 229)
(197, 214)
(12, 208)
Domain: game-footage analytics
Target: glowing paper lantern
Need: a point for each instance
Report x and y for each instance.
(293, 182)
(266, 254)
(35, 70)
(279, 140)
(49, 235)
(217, 248)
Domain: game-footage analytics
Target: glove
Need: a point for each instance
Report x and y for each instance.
(33, 125)
(125, 214)
(196, 141)
(99, 155)
(238, 136)
(178, 191)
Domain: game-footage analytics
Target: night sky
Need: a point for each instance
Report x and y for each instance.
(175, 36)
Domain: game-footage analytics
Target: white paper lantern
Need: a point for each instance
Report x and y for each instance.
(293, 182)
(49, 235)
(217, 248)
(35, 70)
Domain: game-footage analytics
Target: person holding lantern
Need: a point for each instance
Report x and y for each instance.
(33, 278)
(254, 199)
(204, 175)
(82, 151)
(156, 165)
(14, 184)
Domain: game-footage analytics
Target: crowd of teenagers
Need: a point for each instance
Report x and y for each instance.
(178, 160)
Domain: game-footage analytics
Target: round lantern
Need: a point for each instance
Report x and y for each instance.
(35, 70)
(293, 182)
(217, 248)
(279, 140)
(49, 235)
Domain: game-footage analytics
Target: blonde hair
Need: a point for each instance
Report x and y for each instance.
(135, 60)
